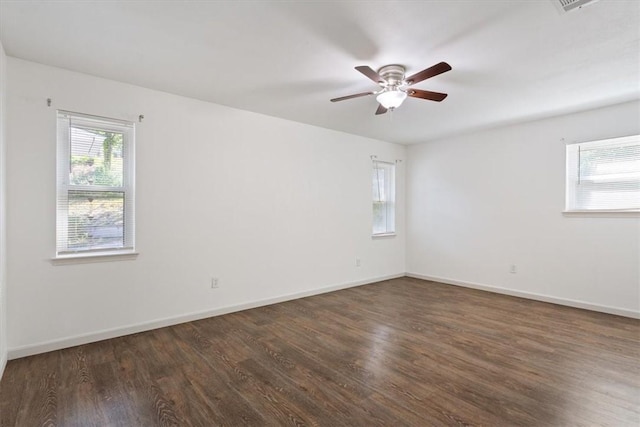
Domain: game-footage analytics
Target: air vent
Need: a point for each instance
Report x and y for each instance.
(569, 5)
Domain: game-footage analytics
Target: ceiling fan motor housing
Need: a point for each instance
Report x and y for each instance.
(392, 74)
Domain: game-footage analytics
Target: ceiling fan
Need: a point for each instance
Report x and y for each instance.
(395, 87)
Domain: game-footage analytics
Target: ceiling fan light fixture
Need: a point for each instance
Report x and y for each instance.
(391, 99)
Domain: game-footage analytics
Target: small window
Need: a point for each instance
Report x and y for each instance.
(604, 175)
(95, 182)
(384, 209)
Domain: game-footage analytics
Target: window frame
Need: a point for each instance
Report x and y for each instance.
(390, 198)
(64, 187)
(572, 179)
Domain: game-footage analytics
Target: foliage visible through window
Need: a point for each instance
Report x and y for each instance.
(383, 187)
(604, 175)
(95, 184)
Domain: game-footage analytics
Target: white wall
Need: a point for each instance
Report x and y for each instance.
(271, 207)
(3, 252)
(478, 203)
(278, 209)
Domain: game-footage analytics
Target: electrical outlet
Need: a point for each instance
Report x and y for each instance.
(513, 269)
(358, 262)
(214, 283)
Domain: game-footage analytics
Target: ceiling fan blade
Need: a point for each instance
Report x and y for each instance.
(425, 94)
(367, 71)
(357, 95)
(440, 68)
(381, 110)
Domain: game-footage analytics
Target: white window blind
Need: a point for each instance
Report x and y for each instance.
(604, 175)
(95, 185)
(384, 221)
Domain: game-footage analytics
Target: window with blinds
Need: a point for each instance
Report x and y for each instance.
(95, 183)
(384, 217)
(604, 175)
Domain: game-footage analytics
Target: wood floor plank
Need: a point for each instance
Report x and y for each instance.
(399, 352)
(12, 391)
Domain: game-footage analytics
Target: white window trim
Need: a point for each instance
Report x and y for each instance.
(614, 213)
(570, 182)
(383, 235)
(128, 187)
(82, 258)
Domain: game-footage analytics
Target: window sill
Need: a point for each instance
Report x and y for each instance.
(94, 257)
(382, 235)
(603, 213)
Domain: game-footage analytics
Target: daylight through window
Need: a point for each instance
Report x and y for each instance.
(604, 175)
(384, 221)
(95, 185)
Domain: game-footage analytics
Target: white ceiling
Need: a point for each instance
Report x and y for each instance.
(512, 60)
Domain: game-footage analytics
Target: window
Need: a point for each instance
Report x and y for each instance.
(604, 175)
(384, 221)
(95, 182)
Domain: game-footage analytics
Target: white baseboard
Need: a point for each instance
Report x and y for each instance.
(43, 347)
(531, 295)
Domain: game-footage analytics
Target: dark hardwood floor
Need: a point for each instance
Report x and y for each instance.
(403, 352)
